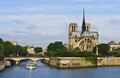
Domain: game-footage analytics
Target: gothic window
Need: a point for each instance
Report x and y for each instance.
(85, 40)
(75, 40)
(87, 47)
(74, 28)
(75, 35)
(88, 40)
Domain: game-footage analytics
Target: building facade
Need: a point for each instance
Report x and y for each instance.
(84, 39)
(14, 43)
(114, 46)
(30, 50)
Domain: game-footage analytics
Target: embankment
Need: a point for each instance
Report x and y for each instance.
(75, 62)
(2, 66)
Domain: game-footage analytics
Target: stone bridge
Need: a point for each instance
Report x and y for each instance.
(34, 59)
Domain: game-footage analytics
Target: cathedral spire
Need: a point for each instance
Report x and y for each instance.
(83, 22)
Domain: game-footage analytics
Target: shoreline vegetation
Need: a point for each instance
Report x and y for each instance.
(62, 57)
(78, 62)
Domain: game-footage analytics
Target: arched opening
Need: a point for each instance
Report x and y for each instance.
(10, 62)
(23, 62)
(40, 63)
(85, 44)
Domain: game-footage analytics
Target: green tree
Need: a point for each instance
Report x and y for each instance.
(51, 47)
(56, 49)
(1, 52)
(77, 49)
(102, 49)
(38, 50)
(1, 40)
(8, 48)
(20, 51)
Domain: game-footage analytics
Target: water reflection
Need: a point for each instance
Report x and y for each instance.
(45, 71)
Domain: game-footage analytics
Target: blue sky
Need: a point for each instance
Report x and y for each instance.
(39, 22)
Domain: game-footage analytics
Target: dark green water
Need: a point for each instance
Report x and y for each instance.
(44, 71)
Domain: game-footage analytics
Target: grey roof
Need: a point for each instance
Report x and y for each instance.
(78, 34)
(86, 33)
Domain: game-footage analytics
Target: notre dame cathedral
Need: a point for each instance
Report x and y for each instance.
(84, 39)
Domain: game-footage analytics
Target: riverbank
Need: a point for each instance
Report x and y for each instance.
(69, 62)
(77, 62)
(2, 66)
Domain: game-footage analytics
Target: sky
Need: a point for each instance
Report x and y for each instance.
(40, 22)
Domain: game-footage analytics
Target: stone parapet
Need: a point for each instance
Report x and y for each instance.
(73, 62)
(70, 62)
(108, 61)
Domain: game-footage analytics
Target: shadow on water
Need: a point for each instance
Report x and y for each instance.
(45, 71)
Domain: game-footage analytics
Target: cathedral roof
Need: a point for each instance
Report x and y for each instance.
(92, 34)
(86, 33)
(76, 34)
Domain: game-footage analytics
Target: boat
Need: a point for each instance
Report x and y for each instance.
(30, 66)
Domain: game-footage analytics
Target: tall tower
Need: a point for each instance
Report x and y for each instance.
(85, 39)
(73, 27)
(83, 23)
(88, 27)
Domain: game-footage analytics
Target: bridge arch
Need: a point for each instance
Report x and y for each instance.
(18, 59)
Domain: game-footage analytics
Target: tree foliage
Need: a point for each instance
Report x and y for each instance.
(20, 51)
(38, 49)
(114, 53)
(7, 49)
(1, 52)
(102, 49)
(57, 49)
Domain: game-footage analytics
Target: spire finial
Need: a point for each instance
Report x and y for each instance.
(83, 23)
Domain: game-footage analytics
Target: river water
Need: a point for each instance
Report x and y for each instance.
(45, 71)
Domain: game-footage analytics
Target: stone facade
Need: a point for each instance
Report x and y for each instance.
(2, 65)
(14, 43)
(84, 39)
(108, 61)
(30, 49)
(114, 46)
(70, 62)
(75, 62)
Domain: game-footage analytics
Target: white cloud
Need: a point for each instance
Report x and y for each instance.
(32, 27)
(20, 32)
(33, 39)
(57, 8)
(19, 21)
(51, 28)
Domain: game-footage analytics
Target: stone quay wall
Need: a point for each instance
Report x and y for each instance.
(75, 62)
(108, 61)
(70, 62)
(2, 66)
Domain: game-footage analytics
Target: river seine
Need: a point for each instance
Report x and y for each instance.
(45, 71)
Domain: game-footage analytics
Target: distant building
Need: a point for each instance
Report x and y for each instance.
(66, 45)
(30, 49)
(114, 46)
(84, 39)
(14, 43)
